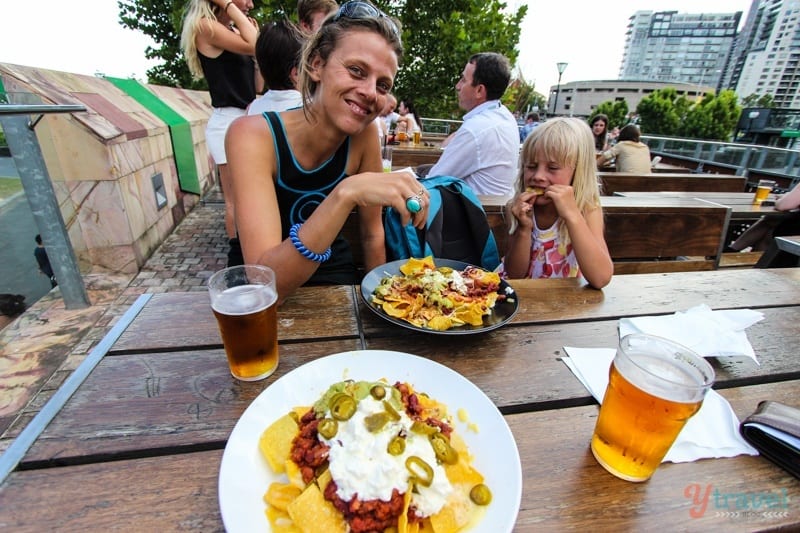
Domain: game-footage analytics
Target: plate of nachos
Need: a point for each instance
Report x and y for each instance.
(368, 422)
(439, 296)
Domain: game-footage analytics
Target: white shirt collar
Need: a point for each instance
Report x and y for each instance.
(477, 110)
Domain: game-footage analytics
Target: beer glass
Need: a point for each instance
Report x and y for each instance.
(763, 190)
(386, 157)
(244, 300)
(654, 387)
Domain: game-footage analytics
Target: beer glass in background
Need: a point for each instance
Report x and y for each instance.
(654, 387)
(763, 190)
(417, 136)
(244, 300)
(386, 157)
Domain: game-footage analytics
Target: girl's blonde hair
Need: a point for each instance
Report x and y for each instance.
(570, 143)
(325, 41)
(194, 14)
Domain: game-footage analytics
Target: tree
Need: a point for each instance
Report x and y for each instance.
(713, 118)
(521, 97)
(756, 100)
(662, 111)
(439, 36)
(617, 113)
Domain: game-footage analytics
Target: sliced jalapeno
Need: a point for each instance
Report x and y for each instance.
(378, 392)
(396, 446)
(420, 471)
(328, 427)
(342, 406)
(480, 494)
(422, 428)
(392, 412)
(443, 450)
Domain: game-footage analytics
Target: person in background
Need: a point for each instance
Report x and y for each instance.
(531, 121)
(408, 116)
(218, 42)
(631, 154)
(311, 13)
(599, 125)
(298, 174)
(789, 201)
(485, 149)
(278, 53)
(44, 262)
(557, 220)
(389, 115)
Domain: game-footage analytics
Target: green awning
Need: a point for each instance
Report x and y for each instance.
(179, 128)
(792, 134)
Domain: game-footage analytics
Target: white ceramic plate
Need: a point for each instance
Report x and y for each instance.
(244, 475)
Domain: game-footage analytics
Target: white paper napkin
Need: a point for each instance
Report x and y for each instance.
(707, 332)
(712, 432)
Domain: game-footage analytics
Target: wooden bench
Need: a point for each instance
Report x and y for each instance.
(644, 235)
(613, 182)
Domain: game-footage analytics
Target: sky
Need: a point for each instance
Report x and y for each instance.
(86, 37)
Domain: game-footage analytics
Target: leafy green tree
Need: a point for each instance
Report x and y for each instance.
(439, 36)
(758, 100)
(662, 111)
(713, 118)
(521, 97)
(617, 113)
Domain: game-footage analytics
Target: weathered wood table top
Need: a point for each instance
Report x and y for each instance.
(138, 446)
(741, 203)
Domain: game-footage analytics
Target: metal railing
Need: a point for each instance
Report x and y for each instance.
(743, 158)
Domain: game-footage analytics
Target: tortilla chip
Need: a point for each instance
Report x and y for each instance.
(280, 522)
(276, 442)
(417, 265)
(311, 512)
(280, 495)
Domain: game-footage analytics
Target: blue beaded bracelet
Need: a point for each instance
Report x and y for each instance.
(305, 252)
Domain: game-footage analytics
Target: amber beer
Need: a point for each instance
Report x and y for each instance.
(246, 310)
(763, 190)
(655, 386)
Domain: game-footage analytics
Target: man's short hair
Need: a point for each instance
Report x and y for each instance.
(493, 71)
(277, 52)
(534, 116)
(307, 8)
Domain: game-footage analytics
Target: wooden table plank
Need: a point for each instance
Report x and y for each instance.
(789, 243)
(153, 405)
(741, 204)
(310, 313)
(137, 403)
(565, 488)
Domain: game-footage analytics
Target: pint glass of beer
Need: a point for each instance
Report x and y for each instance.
(245, 301)
(763, 190)
(654, 387)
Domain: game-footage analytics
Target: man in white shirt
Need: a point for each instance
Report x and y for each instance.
(484, 151)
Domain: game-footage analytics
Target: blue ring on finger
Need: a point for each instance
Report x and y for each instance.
(413, 204)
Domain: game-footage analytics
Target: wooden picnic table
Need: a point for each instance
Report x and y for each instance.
(741, 203)
(138, 445)
(407, 154)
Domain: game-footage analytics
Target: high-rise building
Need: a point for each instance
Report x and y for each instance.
(679, 47)
(767, 53)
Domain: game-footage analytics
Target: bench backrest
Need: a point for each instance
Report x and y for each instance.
(612, 182)
(643, 235)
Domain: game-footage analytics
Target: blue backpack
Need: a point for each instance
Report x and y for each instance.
(456, 228)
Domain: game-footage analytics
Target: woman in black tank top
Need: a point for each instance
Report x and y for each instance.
(297, 175)
(218, 41)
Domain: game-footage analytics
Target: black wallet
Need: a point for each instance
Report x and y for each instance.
(774, 430)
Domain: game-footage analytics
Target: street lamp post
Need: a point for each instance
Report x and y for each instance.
(561, 68)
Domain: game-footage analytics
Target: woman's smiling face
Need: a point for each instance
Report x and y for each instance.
(356, 79)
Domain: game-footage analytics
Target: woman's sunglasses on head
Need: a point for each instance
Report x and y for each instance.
(356, 9)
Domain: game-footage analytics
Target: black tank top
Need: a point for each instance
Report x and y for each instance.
(231, 79)
(300, 191)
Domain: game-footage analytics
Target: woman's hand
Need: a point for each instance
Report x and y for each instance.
(390, 189)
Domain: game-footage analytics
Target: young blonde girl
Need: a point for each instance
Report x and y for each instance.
(556, 218)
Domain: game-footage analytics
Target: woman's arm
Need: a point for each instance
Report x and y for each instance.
(214, 36)
(789, 201)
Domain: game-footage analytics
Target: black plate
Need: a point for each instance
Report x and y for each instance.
(502, 312)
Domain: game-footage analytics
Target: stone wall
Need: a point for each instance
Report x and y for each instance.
(102, 163)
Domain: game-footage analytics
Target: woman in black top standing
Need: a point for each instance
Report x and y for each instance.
(218, 41)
